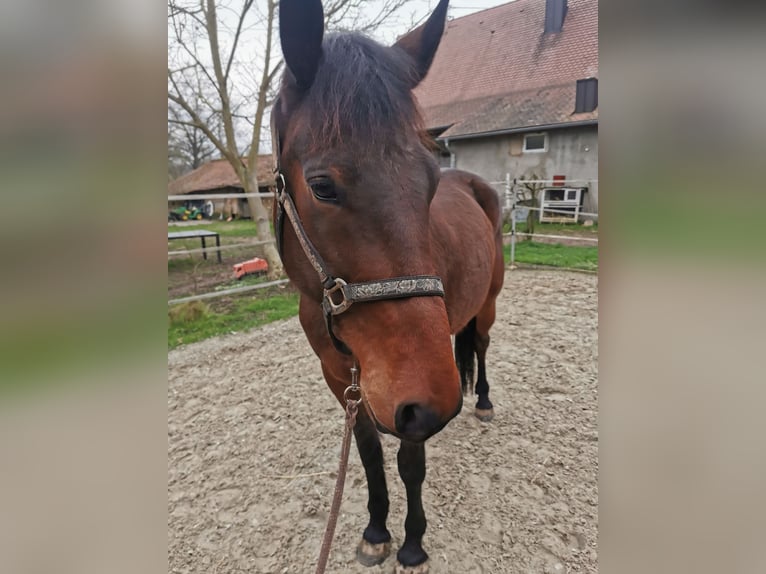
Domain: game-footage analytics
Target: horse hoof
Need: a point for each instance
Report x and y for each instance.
(369, 554)
(484, 415)
(419, 569)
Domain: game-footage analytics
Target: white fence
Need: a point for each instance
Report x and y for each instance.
(511, 191)
(514, 191)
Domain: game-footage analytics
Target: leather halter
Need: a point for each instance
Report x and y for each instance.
(339, 295)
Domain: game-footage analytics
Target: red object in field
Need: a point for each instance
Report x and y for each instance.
(251, 267)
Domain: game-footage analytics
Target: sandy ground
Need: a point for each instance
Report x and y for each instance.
(254, 436)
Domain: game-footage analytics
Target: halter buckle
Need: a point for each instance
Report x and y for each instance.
(333, 307)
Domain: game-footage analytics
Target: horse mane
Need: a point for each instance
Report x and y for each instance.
(361, 97)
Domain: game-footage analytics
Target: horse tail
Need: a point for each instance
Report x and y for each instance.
(465, 350)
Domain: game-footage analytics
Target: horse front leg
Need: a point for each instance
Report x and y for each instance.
(411, 557)
(376, 540)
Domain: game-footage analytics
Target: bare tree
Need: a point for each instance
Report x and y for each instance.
(176, 163)
(188, 146)
(206, 39)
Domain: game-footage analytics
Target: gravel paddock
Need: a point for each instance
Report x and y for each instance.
(254, 437)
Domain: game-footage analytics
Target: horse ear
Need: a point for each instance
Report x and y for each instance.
(301, 26)
(422, 42)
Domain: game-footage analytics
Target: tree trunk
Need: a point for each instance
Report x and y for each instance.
(262, 220)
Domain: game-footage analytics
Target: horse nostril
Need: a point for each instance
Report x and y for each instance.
(407, 417)
(416, 422)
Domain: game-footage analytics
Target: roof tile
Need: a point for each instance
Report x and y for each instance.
(496, 69)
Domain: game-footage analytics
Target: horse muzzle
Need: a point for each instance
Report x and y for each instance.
(415, 422)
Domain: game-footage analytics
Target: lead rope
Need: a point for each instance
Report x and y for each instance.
(352, 406)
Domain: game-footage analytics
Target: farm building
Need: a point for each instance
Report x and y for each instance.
(218, 177)
(514, 89)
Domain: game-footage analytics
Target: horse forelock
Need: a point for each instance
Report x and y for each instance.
(361, 98)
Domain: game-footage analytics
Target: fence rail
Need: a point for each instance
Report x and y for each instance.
(232, 291)
(224, 247)
(211, 196)
(568, 237)
(553, 183)
(549, 210)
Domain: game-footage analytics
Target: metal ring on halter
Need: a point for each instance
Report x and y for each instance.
(353, 389)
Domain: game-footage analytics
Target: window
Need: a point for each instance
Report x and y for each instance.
(555, 12)
(536, 142)
(587, 95)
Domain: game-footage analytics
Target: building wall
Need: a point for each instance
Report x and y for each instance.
(572, 152)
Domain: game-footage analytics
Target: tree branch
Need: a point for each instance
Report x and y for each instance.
(197, 122)
(245, 8)
(196, 64)
(266, 80)
(215, 53)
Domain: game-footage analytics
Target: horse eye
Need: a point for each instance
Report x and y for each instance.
(323, 189)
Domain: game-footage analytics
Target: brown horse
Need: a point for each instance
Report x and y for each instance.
(419, 251)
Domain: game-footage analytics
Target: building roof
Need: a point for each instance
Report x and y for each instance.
(496, 70)
(218, 174)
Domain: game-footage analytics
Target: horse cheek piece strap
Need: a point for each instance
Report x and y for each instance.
(339, 295)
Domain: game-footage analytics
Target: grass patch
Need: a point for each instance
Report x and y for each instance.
(555, 228)
(554, 255)
(191, 325)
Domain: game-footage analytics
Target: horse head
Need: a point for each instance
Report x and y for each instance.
(355, 160)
